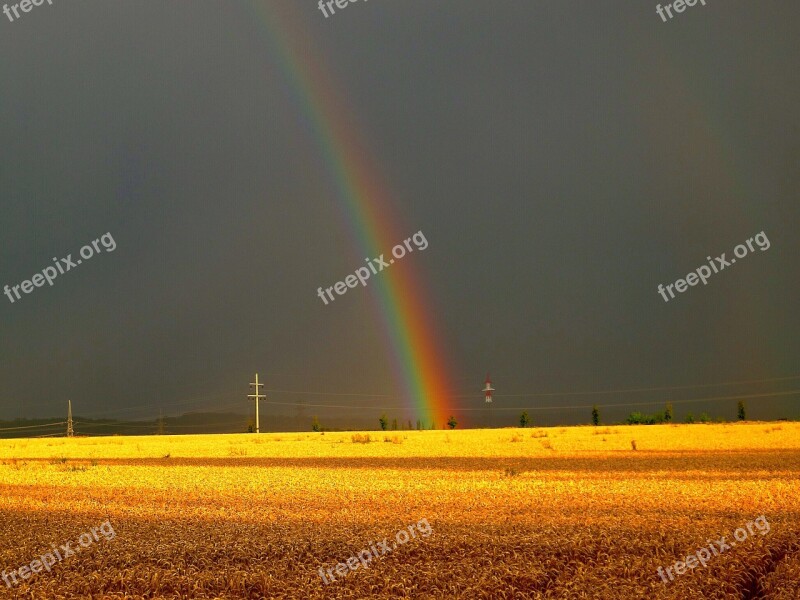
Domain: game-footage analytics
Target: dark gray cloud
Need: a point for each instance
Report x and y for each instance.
(563, 159)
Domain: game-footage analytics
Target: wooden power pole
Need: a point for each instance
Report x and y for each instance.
(256, 396)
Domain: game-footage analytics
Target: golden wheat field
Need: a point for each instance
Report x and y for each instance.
(512, 513)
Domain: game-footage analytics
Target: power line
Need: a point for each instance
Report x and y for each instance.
(150, 427)
(337, 394)
(548, 394)
(32, 426)
(242, 421)
(239, 422)
(118, 424)
(714, 398)
(789, 393)
(475, 396)
(161, 404)
(653, 389)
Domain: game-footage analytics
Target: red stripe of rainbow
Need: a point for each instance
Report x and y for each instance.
(418, 362)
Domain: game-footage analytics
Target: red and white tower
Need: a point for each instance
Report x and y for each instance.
(488, 389)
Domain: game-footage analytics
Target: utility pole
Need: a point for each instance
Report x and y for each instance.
(70, 432)
(256, 396)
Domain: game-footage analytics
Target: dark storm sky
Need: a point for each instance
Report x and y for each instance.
(562, 159)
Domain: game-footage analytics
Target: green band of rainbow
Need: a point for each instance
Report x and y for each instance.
(418, 363)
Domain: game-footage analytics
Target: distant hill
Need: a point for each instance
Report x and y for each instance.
(189, 423)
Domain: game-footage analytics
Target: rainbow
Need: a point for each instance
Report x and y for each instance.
(418, 362)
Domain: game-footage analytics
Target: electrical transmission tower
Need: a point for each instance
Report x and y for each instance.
(488, 389)
(256, 396)
(70, 432)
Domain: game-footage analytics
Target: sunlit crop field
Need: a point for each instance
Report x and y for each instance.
(514, 513)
